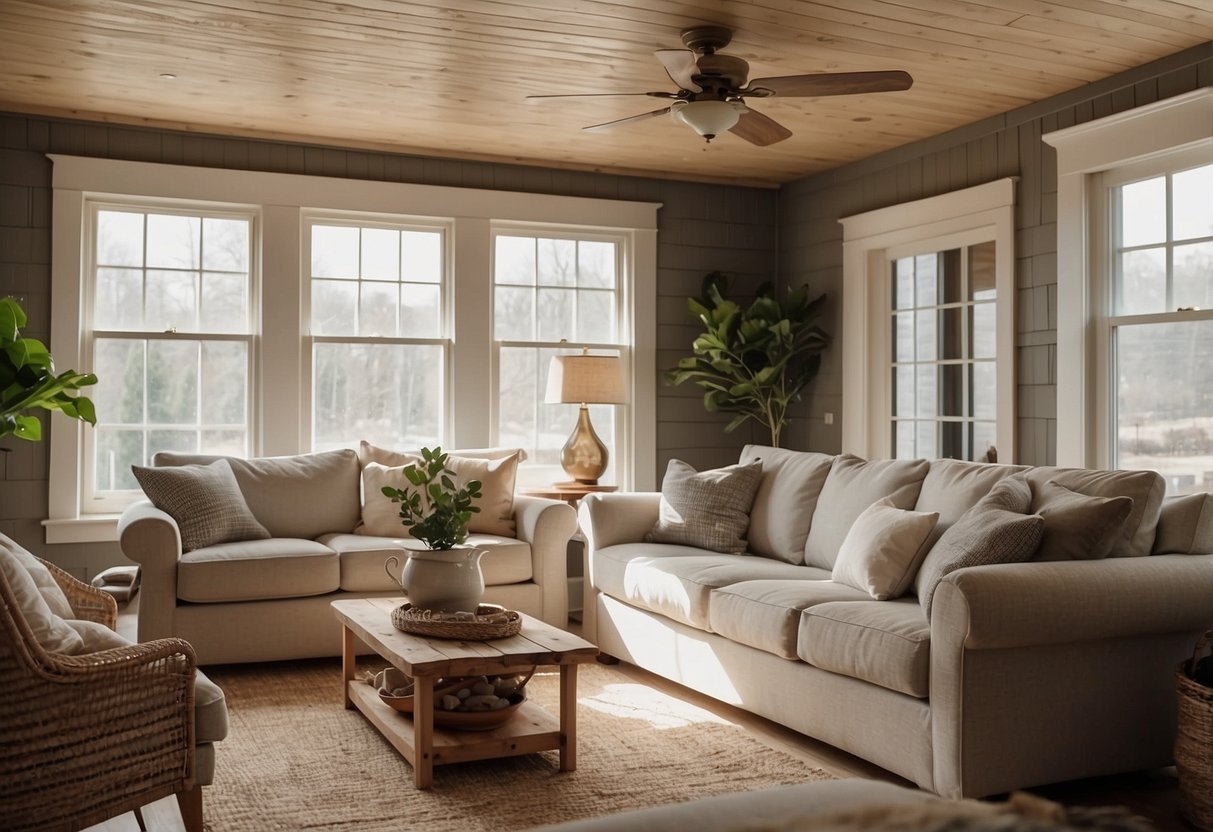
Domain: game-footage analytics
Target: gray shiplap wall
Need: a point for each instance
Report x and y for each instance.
(810, 236)
(700, 228)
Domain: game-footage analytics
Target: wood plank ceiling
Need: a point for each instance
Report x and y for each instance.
(449, 77)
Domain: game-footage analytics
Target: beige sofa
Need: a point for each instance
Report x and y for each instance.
(265, 600)
(1024, 673)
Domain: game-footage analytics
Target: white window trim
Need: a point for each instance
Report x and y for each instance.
(978, 214)
(1172, 126)
(279, 353)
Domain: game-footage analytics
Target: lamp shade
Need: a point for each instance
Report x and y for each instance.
(709, 118)
(586, 379)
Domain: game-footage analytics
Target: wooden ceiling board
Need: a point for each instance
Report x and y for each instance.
(450, 77)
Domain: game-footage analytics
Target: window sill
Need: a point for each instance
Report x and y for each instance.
(96, 528)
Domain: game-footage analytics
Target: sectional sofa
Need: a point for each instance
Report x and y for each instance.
(1021, 674)
(250, 600)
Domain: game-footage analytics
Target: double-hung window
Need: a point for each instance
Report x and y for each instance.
(170, 337)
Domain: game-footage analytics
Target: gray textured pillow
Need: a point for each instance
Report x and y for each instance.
(709, 509)
(984, 535)
(204, 500)
(1078, 527)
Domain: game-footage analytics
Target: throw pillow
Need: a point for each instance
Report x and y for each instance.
(1078, 527)
(984, 535)
(1185, 525)
(368, 452)
(380, 516)
(49, 630)
(708, 509)
(204, 500)
(883, 549)
(96, 637)
(48, 587)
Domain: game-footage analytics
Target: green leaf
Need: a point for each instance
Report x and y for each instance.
(28, 427)
(12, 318)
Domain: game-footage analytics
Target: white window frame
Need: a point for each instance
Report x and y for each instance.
(1166, 132)
(280, 339)
(871, 242)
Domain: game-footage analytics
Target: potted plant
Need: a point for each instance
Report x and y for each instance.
(28, 380)
(753, 361)
(446, 576)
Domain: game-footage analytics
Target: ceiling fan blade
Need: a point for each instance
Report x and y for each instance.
(834, 83)
(758, 129)
(611, 125)
(680, 65)
(596, 94)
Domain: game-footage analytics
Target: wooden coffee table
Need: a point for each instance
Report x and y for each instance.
(530, 730)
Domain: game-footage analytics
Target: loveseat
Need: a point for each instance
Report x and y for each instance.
(265, 593)
(1022, 673)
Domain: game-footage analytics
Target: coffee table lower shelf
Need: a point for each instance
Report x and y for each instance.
(530, 730)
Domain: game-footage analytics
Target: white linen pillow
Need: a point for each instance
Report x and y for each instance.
(50, 630)
(380, 516)
(96, 637)
(883, 549)
(51, 592)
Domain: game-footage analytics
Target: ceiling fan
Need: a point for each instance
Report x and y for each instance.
(712, 89)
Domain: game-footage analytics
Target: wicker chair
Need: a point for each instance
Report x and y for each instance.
(86, 738)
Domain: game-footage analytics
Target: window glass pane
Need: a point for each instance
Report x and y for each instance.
(1192, 203)
(224, 303)
(380, 254)
(926, 442)
(951, 337)
(521, 380)
(557, 262)
(172, 382)
(903, 336)
(180, 441)
(335, 252)
(1164, 401)
(985, 439)
(119, 299)
(927, 391)
(172, 301)
(514, 262)
(595, 316)
(377, 309)
(1143, 282)
(422, 256)
(925, 340)
(224, 383)
(926, 280)
(1193, 276)
(952, 394)
(174, 241)
(903, 283)
(225, 244)
(556, 315)
(1143, 212)
(118, 394)
(952, 279)
(388, 394)
(954, 440)
(119, 238)
(983, 330)
(904, 433)
(981, 272)
(983, 390)
(420, 315)
(513, 315)
(595, 265)
(903, 391)
(225, 442)
(117, 450)
(334, 307)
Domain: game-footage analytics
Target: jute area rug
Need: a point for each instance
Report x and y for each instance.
(294, 759)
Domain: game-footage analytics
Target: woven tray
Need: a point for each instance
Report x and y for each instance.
(491, 621)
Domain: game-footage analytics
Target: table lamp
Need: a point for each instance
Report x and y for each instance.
(585, 379)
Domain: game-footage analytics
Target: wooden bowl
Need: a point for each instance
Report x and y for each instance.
(461, 720)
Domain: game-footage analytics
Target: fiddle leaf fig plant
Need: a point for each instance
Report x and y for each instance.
(434, 509)
(753, 361)
(28, 380)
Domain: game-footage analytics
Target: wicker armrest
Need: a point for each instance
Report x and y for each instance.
(88, 602)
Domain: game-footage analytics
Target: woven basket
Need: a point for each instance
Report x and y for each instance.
(1194, 741)
(491, 621)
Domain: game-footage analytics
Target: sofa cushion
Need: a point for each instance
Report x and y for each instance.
(1078, 527)
(952, 486)
(368, 452)
(787, 495)
(205, 500)
(1185, 525)
(852, 485)
(883, 549)
(887, 643)
(708, 509)
(677, 581)
(506, 560)
(766, 614)
(305, 495)
(1145, 488)
(255, 570)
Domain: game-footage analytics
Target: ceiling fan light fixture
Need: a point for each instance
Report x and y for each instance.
(709, 118)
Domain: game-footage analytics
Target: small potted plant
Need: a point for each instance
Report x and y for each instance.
(446, 576)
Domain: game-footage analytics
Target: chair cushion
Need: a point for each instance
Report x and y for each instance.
(1145, 488)
(50, 630)
(887, 643)
(883, 549)
(953, 486)
(506, 560)
(787, 495)
(1078, 527)
(48, 587)
(256, 570)
(677, 581)
(1185, 525)
(205, 500)
(708, 509)
(852, 485)
(766, 614)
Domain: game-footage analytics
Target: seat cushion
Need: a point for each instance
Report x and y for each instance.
(255, 570)
(887, 643)
(677, 581)
(852, 485)
(953, 486)
(787, 495)
(1145, 488)
(766, 614)
(506, 560)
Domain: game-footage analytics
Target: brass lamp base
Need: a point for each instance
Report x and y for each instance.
(584, 457)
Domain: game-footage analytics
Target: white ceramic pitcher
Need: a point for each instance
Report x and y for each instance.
(443, 580)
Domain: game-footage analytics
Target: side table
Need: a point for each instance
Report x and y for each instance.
(570, 492)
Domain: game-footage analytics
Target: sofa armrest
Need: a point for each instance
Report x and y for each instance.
(548, 525)
(151, 538)
(608, 519)
(1020, 604)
